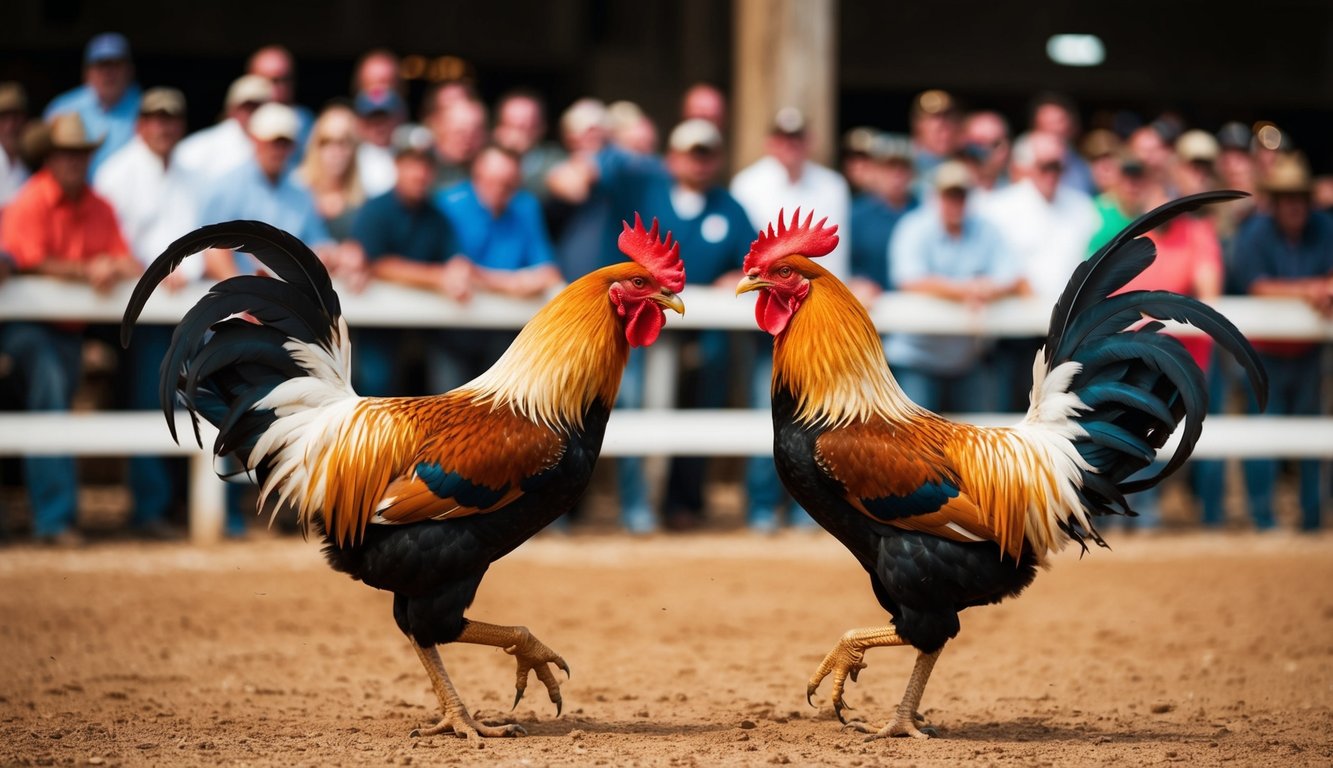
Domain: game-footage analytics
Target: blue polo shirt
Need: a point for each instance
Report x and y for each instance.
(516, 239)
(246, 193)
(385, 226)
(714, 237)
(115, 126)
(873, 221)
(921, 248)
(1263, 252)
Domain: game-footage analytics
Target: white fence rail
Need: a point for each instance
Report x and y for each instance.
(658, 430)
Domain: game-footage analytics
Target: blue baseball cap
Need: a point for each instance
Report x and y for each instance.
(368, 103)
(108, 46)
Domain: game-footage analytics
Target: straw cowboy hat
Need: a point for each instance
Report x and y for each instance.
(1289, 175)
(67, 132)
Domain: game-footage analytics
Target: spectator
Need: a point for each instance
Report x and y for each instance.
(947, 252)
(1150, 146)
(876, 212)
(1237, 170)
(154, 203)
(407, 240)
(377, 72)
(705, 102)
(378, 113)
(13, 118)
(986, 150)
(214, 152)
(581, 213)
(1056, 114)
(856, 162)
(500, 230)
(1197, 153)
(1047, 226)
(275, 64)
(108, 100)
(329, 170)
(460, 133)
(784, 179)
(1120, 205)
(59, 227)
(1288, 253)
(263, 189)
(1102, 151)
(520, 127)
(934, 119)
(631, 129)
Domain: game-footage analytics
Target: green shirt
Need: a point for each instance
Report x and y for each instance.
(1113, 220)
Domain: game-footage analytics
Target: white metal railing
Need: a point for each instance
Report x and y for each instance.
(657, 430)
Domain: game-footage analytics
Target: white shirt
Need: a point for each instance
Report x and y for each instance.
(1050, 237)
(214, 152)
(12, 175)
(154, 204)
(764, 188)
(376, 169)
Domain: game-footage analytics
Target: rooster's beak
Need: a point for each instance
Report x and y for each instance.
(751, 283)
(670, 301)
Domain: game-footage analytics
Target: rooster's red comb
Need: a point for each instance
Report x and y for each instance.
(660, 257)
(800, 237)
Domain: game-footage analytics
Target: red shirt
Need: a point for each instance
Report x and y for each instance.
(40, 224)
(1184, 246)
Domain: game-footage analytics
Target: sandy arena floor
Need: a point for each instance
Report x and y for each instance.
(689, 650)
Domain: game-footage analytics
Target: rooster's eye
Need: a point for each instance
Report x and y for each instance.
(785, 272)
(638, 282)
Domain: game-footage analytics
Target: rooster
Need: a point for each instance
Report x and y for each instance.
(942, 515)
(417, 496)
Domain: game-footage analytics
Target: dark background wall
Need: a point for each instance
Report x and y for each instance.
(1208, 61)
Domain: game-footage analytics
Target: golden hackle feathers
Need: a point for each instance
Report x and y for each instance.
(799, 238)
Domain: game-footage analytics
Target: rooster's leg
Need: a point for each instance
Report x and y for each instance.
(904, 721)
(456, 719)
(532, 656)
(845, 660)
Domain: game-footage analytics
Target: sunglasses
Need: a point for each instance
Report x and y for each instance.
(327, 140)
(1054, 166)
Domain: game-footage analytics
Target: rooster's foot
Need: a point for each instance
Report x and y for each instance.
(464, 726)
(532, 655)
(914, 726)
(843, 662)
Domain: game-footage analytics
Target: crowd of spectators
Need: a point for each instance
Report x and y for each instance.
(475, 197)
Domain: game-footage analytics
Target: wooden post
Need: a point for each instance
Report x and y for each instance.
(786, 55)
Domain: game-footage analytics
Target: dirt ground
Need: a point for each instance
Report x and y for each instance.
(686, 650)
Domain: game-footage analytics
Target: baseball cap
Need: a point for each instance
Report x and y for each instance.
(275, 121)
(162, 100)
(249, 88)
(933, 102)
(789, 121)
(368, 103)
(1235, 135)
(411, 138)
(1197, 145)
(694, 134)
(1100, 143)
(583, 115)
(859, 140)
(888, 147)
(953, 175)
(108, 46)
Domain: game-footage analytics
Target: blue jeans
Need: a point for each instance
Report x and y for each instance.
(704, 387)
(636, 514)
(763, 489)
(150, 477)
(48, 363)
(1294, 384)
(953, 393)
(1209, 475)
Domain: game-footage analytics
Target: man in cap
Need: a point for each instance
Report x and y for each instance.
(262, 188)
(856, 144)
(878, 210)
(57, 226)
(407, 240)
(785, 178)
(934, 127)
(520, 127)
(947, 252)
(155, 203)
(1123, 202)
(1196, 171)
(1288, 253)
(1056, 114)
(276, 64)
(108, 100)
(214, 152)
(986, 150)
(13, 118)
(378, 114)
